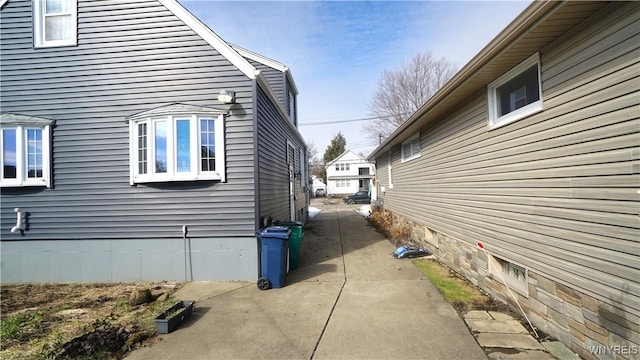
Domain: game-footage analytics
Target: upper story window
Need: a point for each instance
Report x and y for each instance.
(516, 94)
(55, 22)
(342, 166)
(25, 150)
(292, 107)
(411, 148)
(169, 144)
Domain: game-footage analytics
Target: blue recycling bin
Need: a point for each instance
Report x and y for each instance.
(273, 258)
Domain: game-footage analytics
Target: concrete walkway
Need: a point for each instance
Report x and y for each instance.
(349, 299)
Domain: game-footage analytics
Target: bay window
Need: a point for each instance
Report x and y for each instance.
(177, 147)
(25, 151)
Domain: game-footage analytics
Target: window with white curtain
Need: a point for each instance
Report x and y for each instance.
(55, 22)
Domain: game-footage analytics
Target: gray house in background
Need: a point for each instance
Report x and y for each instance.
(138, 145)
(531, 152)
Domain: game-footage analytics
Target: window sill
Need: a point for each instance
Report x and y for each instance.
(142, 180)
(514, 116)
(57, 44)
(8, 184)
(410, 158)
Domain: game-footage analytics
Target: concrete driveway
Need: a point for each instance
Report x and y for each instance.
(349, 299)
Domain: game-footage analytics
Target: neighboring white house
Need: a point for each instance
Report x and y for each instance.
(349, 173)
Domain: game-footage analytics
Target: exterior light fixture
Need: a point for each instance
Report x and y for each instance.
(227, 96)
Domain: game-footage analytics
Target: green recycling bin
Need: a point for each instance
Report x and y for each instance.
(294, 241)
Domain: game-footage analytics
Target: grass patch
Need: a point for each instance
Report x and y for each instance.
(455, 290)
(34, 323)
(15, 327)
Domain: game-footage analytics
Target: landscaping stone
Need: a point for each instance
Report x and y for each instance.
(477, 314)
(524, 355)
(140, 296)
(508, 341)
(496, 326)
(560, 350)
(500, 316)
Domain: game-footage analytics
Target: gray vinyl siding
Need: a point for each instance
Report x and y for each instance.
(275, 78)
(273, 134)
(555, 192)
(131, 56)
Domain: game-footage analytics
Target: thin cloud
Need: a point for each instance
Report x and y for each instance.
(336, 50)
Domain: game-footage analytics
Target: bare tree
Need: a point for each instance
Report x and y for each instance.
(400, 92)
(315, 164)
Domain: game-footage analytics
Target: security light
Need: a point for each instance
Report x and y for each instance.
(227, 96)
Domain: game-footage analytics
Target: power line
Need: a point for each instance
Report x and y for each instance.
(343, 121)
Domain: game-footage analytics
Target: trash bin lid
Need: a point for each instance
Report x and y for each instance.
(275, 232)
(287, 223)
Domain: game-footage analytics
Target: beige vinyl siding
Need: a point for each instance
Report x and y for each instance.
(557, 191)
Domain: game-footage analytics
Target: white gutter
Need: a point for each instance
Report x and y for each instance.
(517, 28)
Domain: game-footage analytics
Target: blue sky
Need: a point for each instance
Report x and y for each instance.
(337, 50)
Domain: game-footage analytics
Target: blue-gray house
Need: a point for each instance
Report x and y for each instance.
(136, 144)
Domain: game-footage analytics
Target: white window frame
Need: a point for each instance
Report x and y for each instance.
(292, 106)
(303, 169)
(415, 139)
(22, 180)
(39, 28)
(496, 121)
(390, 169)
(195, 173)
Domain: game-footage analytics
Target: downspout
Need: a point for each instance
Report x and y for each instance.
(256, 162)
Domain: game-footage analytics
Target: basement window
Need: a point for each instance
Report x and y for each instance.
(516, 94)
(504, 271)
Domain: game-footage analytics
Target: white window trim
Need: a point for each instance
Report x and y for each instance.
(495, 271)
(21, 179)
(390, 169)
(195, 143)
(496, 121)
(292, 106)
(411, 140)
(39, 28)
(303, 170)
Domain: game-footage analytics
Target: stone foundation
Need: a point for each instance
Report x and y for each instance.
(589, 327)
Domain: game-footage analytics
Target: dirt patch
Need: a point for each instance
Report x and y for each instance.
(71, 321)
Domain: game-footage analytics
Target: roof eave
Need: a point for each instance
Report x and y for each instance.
(268, 62)
(530, 16)
(210, 37)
